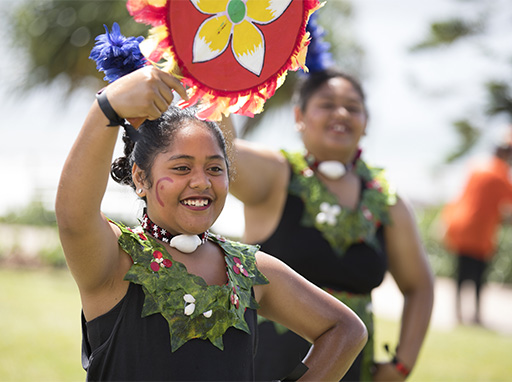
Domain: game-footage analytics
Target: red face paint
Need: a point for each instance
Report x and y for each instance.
(160, 186)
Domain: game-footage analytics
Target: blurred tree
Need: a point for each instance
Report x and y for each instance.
(498, 93)
(500, 98)
(468, 135)
(56, 37)
(446, 32)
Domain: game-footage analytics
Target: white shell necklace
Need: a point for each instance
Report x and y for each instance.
(183, 243)
(331, 169)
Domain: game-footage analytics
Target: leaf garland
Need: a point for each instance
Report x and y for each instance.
(350, 226)
(171, 291)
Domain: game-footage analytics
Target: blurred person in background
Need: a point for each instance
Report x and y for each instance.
(472, 221)
(336, 221)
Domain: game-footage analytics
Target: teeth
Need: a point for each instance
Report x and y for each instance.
(339, 128)
(196, 202)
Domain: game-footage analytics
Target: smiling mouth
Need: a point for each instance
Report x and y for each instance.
(196, 202)
(339, 128)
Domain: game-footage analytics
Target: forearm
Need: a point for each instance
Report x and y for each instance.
(85, 174)
(333, 353)
(415, 321)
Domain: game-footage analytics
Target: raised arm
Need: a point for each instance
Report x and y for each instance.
(89, 241)
(409, 266)
(336, 333)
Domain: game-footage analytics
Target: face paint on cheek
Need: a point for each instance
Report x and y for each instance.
(160, 186)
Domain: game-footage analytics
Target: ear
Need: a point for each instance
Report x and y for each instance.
(299, 123)
(139, 177)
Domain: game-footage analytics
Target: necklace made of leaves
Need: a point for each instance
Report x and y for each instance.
(193, 309)
(183, 243)
(342, 227)
(331, 169)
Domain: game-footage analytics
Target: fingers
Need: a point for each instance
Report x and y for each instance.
(173, 83)
(145, 93)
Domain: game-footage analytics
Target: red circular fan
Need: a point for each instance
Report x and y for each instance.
(232, 54)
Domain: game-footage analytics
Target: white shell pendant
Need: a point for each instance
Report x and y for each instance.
(332, 169)
(185, 243)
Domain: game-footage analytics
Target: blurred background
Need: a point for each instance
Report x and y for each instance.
(437, 76)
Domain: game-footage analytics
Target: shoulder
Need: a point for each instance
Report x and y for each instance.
(401, 211)
(256, 149)
(376, 178)
(403, 228)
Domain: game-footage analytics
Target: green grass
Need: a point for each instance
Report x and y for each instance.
(39, 326)
(466, 353)
(40, 337)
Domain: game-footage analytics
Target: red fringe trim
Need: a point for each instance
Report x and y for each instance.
(145, 13)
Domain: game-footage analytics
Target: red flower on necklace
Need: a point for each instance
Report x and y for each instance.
(159, 262)
(239, 268)
(374, 184)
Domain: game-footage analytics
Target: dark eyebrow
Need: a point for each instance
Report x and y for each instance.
(176, 157)
(220, 157)
(189, 157)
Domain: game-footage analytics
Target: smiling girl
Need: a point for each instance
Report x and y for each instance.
(336, 221)
(168, 300)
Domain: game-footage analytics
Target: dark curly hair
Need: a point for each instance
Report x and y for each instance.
(308, 85)
(154, 138)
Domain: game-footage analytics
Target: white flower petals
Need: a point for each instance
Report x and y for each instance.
(328, 213)
(189, 304)
(208, 314)
(189, 309)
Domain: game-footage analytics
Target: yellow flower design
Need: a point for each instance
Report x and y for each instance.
(234, 21)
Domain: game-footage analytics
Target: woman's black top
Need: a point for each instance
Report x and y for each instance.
(122, 346)
(359, 270)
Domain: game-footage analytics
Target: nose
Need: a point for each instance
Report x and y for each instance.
(341, 111)
(200, 181)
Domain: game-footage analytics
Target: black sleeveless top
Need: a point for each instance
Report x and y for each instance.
(122, 346)
(359, 270)
(350, 277)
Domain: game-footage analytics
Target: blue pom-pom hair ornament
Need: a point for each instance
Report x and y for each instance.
(319, 57)
(117, 55)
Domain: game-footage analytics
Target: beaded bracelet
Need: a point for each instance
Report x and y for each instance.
(399, 366)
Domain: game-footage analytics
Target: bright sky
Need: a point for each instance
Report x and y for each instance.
(409, 133)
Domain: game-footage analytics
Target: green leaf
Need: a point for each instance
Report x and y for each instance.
(165, 289)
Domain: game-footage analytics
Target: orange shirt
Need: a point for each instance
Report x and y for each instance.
(473, 220)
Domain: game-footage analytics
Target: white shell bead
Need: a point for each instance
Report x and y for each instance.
(185, 243)
(332, 169)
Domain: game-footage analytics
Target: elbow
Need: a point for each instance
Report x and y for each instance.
(353, 334)
(359, 335)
